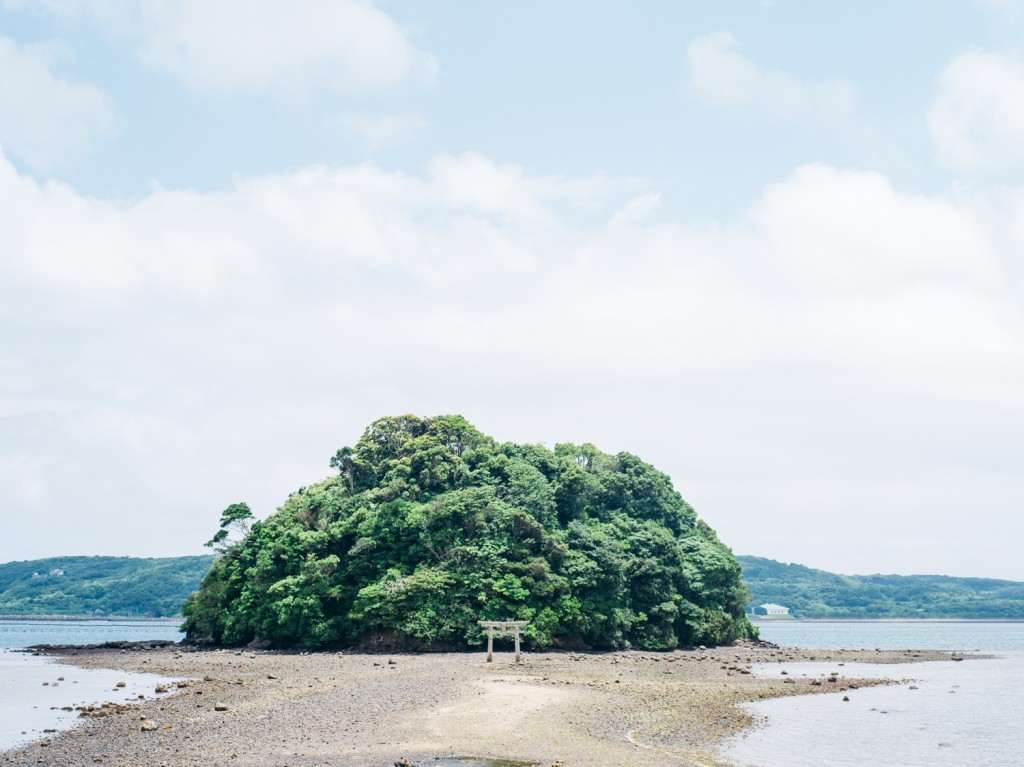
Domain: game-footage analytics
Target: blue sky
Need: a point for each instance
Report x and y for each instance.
(773, 248)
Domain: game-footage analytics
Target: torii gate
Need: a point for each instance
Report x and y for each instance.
(500, 628)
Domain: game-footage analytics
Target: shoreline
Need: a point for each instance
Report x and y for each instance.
(270, 709)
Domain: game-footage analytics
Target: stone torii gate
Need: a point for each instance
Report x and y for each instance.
(501, 628)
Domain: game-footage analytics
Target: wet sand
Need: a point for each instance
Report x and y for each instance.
(267, 709)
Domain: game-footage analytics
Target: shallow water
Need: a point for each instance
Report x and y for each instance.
(962, 714)
(477, 761)
(28, 706)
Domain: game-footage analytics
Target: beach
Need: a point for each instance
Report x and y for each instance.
(614, 709)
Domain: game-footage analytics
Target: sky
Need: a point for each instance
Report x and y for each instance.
(775, 249)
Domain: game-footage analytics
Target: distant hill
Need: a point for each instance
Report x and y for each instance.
(810, 593)
(100, 585)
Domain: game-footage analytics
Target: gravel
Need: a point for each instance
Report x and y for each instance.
(268, 709)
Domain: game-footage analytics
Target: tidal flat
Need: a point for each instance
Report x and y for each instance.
(231, 708)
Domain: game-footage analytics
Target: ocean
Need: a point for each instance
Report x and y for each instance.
(34, 689)
(22, 633)
(948, 714)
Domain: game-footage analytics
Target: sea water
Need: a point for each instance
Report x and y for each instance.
(944, 714)
(34, 689)
(22, 633)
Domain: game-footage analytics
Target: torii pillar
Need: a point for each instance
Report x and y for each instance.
(500, 628)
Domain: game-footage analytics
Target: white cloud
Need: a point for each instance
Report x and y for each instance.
(45, 119)
(842, 354)
(262, 45)
(977, 117)
(723, 76)
(636, 210)
(379, 131)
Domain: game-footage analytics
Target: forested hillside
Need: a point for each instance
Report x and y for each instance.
(810, 593)
(99, 585)
(429, 525)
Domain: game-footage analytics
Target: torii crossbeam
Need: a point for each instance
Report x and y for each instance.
(501, 628)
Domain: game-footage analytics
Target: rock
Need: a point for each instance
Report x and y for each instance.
(403, 762)
(161, 688)
(121, 684)
(148, 725)
(219, 707)
(846, 699)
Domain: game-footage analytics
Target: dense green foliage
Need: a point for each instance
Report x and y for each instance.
(99, 585)
(810, 593)
(430, 525)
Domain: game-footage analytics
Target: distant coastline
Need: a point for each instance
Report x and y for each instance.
(759, 620)
(108, 618)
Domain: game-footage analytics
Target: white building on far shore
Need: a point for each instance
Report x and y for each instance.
(770, 608)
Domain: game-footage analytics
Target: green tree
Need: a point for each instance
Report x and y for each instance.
(235, 519)
(430, 525)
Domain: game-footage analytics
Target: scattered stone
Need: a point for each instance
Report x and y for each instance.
(148, 725)
(219, 707)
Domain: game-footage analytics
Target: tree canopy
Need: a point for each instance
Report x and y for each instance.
(430, 525)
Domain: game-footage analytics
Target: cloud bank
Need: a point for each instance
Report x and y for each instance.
(803, 367)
